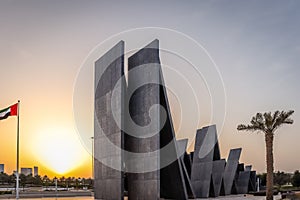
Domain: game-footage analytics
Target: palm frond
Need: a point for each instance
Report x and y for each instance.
(275, 115)
(243, 127)
(283, 118)
(267, 122)
(258, 121)
(256, 124)
(288, 121)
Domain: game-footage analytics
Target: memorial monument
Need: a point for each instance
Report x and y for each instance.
(134, 138)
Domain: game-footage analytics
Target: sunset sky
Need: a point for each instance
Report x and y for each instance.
(255, 45)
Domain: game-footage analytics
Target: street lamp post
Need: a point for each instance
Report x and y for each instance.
(55, 180)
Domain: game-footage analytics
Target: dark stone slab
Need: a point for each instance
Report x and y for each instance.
(248, 168)
(206, 151)
(242, 182)
(217, 176)
(168, 182)
(108, 137)
(252, 182)
(172, 183)
(241, 167)
(206, 145)
(143, 184)
(192, 156)
(246, 180)
(182, 145)
(230, 172)
(188, 163)
(201, 179)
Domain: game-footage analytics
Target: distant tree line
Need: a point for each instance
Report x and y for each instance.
(281, 178)
(33, 181)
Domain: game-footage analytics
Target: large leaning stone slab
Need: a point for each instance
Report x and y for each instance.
(217, 176)
(182, 146)
(108, 136)
(201, 181)
(207, 146)
(143, 67)
(167, 181)
(252, 182)
(248, 168)
(172, 184)
(242, 182)
(206, 151)
(188, 163)
(230, 172)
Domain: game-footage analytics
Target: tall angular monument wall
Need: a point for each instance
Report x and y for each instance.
(205, 153)
(246, 180)
(188, 163)
(172, 185)
(182, 146)
(167, 182)
(242, 182)
(144, 185)
(109, 69)
(252, 179)
(217, 177)
(230, 173)
(252, 182)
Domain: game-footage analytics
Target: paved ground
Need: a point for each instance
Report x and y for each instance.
(233, 197)
(242, 197)
(52, 195)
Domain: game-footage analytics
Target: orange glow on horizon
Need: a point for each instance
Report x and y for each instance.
(56, 151)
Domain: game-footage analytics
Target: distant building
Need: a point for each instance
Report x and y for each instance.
(1, 168)
(35, 171)
(26, 171)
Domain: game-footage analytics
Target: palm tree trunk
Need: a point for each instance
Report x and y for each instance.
(269, 157)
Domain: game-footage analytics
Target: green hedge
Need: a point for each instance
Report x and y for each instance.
(5, 192)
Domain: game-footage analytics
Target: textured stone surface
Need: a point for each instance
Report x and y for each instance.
(242, 182)
(217, 176)
(143, 185)
(206, 145)
(201, 179)
(107, 134)
(252, 182)
(192, 156)
(167, 182)
(241, 167)
(172, 184)
(182, 145)
(230, 172)
(206, 151)
(248, 168)
(188, 163)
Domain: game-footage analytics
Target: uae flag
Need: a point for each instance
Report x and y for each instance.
(10, 111)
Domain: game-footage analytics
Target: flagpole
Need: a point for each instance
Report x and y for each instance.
(17, 173)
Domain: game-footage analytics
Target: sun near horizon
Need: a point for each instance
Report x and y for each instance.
(56, 149)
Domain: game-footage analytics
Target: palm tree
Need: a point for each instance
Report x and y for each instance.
(268, 123)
